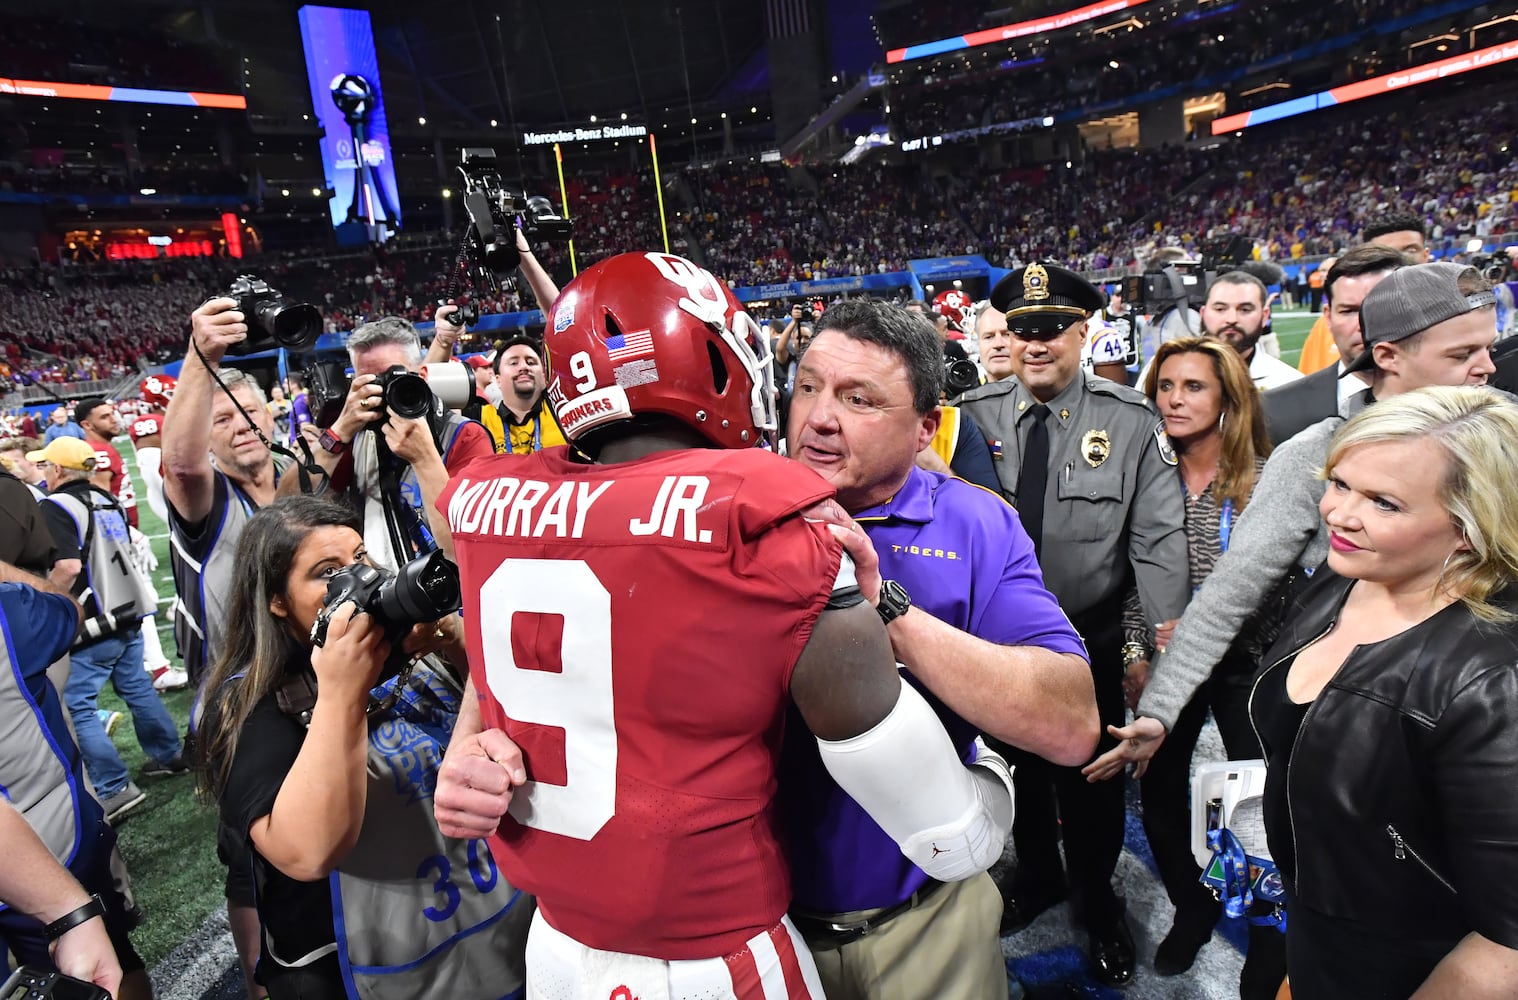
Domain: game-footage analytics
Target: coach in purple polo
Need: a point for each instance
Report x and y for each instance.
(971, 622)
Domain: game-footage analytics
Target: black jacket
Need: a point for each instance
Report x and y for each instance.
(1400, 789)
(1296, 406)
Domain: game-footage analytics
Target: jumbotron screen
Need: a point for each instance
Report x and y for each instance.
(343, 72)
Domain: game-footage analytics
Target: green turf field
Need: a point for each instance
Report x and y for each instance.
(1292, 329)
(169, 841)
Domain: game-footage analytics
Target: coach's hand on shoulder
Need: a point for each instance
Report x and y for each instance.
(866, 562)
(475, 785)
(216, 326)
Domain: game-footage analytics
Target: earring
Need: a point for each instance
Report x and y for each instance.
(1221, 417)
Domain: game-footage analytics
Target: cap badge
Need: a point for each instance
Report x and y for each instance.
(1035, 284)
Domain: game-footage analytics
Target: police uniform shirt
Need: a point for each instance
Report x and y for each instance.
(1112, 499)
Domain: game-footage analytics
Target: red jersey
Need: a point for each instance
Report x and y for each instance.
(633, 627)
(121, 487)
(145, 426)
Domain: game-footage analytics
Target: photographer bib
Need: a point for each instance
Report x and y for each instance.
(419, 915)
(110, 583)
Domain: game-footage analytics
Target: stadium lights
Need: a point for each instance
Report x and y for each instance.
(148, 191)
(724, 114)
(624, 116)
(285, 192)
(447, 192)
(752, 111)
(592, 119)
(1112, 63)
(316, 192)
(1221, 37)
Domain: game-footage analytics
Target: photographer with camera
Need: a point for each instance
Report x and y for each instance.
(395, 472)
(321, 744)
(216, 472)
(792, 342)
(451, 319)
(94, 562)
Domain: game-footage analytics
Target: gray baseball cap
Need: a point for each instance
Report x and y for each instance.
(1409, 300)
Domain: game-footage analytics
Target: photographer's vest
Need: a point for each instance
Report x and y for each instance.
(419, 915)
(35, 771)
(109, 583)
(412, 510)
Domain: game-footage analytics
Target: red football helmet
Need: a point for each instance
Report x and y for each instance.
(157, 390)
(653, 333)
(954, 304)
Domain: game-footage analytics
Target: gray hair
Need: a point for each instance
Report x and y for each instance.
(390, 330)
(234, 378)
(909, 336)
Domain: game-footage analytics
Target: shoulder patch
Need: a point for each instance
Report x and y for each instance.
(1162, 444)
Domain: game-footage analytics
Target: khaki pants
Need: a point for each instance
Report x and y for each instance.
(946, 947)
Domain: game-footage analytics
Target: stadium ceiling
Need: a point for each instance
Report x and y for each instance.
(464, 61)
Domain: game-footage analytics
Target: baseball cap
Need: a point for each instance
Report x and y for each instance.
(477, 361)
(66, 453)
(1409, 300)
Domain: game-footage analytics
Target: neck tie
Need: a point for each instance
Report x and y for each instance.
(1033, 478)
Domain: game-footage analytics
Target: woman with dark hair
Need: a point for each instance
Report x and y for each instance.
(1216, 425)
(327, 767)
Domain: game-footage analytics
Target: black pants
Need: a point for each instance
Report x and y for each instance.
(1167, 823)
(1052, 800)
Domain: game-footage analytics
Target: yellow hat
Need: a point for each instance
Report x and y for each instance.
(66, 453)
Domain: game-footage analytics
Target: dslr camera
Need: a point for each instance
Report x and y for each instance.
(495, 213)
(1494, 267)
(959, 377)
(272, 322)
(467, 315)
(425, 589)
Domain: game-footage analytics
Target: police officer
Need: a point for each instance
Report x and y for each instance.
(1086, 462)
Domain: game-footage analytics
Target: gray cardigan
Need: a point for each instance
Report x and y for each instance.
(1281, 529)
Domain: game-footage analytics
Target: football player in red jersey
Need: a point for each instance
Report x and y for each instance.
(145, 431)
(641, 610)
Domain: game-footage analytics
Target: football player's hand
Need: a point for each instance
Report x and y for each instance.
(475, 784)
(866, 563)
(1138, 742)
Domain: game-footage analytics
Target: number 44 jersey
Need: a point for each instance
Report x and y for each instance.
(633, 627)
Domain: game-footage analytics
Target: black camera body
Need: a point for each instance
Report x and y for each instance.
(1184, 283)
(1495, 267)
(272, 323)
(468, 313)
(425, 589)
(495, 213)
(327, 384)
(959, 377)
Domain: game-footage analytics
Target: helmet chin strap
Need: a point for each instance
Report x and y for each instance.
(740, 338)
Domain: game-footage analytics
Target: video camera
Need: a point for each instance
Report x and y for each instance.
(272, 323)
(426, 589)
(1184, 283)
(1494, 267)
(495, 213)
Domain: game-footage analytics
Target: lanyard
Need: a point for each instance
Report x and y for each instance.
(1225, 524)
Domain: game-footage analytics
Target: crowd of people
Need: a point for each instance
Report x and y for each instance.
(1163, 551)
(1302, 196)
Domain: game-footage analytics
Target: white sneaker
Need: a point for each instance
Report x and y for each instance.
(166, 678)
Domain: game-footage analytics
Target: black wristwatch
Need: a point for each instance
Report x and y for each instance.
(89, 911)
(894, 601)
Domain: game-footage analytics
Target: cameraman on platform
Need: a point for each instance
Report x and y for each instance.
(395, 473)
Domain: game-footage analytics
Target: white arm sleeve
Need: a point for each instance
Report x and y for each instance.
(149, 463)
(950, 819)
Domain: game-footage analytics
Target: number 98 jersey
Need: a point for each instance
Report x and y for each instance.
(633, 627)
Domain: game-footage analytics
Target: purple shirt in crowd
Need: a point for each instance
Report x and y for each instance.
(300, 414)
(962, 554)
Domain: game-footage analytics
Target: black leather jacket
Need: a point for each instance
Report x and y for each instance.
(1402, 788)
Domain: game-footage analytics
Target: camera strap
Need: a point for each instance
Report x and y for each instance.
(306, 468)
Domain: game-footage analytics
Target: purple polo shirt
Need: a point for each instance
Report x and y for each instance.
(963, 556)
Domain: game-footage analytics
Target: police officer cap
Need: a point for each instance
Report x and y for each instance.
(1041, 300)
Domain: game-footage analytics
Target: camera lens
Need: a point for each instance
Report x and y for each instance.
(425, 590)
(294, 327)
(407, 395)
